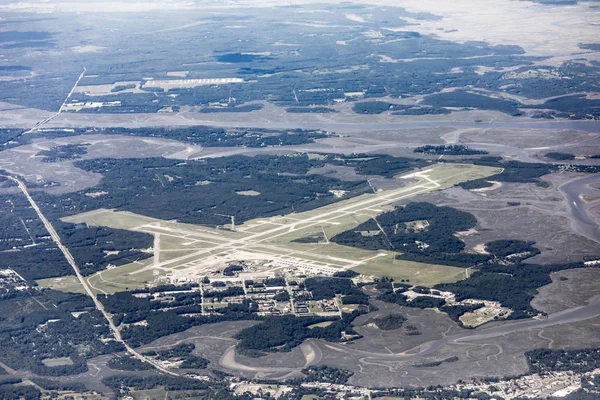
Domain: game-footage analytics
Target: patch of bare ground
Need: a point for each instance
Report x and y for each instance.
(522, 211)
(569, 288)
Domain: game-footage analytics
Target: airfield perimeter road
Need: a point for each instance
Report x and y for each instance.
(88, 290)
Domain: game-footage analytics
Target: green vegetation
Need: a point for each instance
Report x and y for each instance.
(560, 156)
(62, 326)
(348, 273)
(232, 269)
(436, 244)
(514, 171)
(282, 296)
(575, 106)
(389, 296)
(326, 374)
(182, 353)
(120, 88)
(375, 107)
(422, 111)
(389, 322)
(437, 363)
(241, 58)
(15, 392)
(590, 46)
(513, 285)
(62, 153)
(93, 248)
(207, 136)
(546, 360)
(516, 249)
(386, 166)
(453, 149)
(286, 332)
(143, 187)
(117, 382)
(180, 350)
(194, 362)
(327, 288)
(455, 312)
(128, 363)
(463, 99)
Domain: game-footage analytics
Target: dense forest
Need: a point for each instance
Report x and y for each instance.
(513, 171)
(285, 332)
(206, 191)
(431, 242)
(547, 360)
(451, 150)
(62, 153)
(327, 288)
(180, 353)
(466, 100)
(207, 136)
(326, 374)
(513, 285)
(389, 322)
(64, 326)
(128, 363)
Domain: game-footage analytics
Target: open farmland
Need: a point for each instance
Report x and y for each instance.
(186, 253)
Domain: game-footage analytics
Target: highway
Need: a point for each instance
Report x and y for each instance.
(60, 110)
(69, 257)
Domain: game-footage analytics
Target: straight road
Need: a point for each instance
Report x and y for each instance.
(69, 257)
(60, 110)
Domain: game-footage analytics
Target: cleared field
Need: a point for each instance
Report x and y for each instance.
(184, 252)
(57, 362)
(64, 284)
(417, 273)
(320, 325)
(127, 277)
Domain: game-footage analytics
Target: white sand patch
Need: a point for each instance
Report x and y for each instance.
(248, 193)
(355, 18)
(480, 249)
(469, 232)
(87, 49)
(178, 74)
(495, 185)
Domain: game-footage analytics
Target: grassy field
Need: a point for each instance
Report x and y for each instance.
(320, 325)
(417, 273)
(64, 284)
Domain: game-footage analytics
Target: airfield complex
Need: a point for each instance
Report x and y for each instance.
(355, 111)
